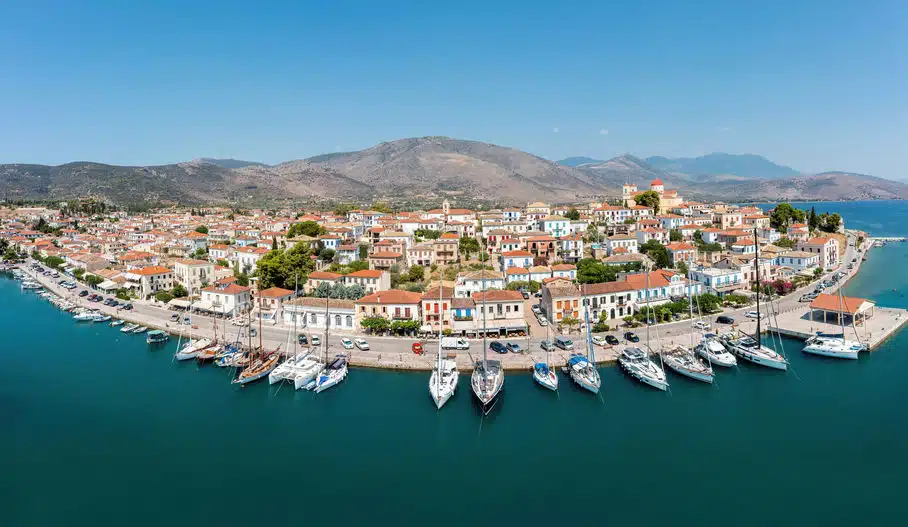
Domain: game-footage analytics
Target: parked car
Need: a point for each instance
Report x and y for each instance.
(498, 347)
(361, 344)
(536, 309)
(316, 340)
(347, 343)
(83, 293)
(752, 314)
(417, 348)
(252, 332)
(542, 321)
(187, 321)
(454, 343)
(514, 347)
(701, 325)
(127, 306)
(564, 343)
(302, 340)
(630, 336)
(612, 340)
(725, 319)
(526, 295)
(547, 345)
(599, 340)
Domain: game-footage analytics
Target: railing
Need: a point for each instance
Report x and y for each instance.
(463, 318)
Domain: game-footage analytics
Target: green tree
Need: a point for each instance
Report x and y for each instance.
(682, 267)
(179, 291)
(781, 217)
(675, 235)
(468, 246)
(569, 322)
(812, 219)
(123, 294)
(416, 273)
(326, 255)
(273, 243)
(375, 324)
(222, 262)
(363, 251)
(54, 262)
(163, 296)
(831, 222)
(650, 199)
(381, 206)
(280, 268)
(11, 254)
(592, 271)
(93, 280)
(657, 252)
(343, 209)
(200, 254)
(323, 290)
(358, 265)
(202, 229)
(427, 234)
(306, 228)
(698, 236)
(786, 243)
(355, 292)
(78, 272)
(572, 214)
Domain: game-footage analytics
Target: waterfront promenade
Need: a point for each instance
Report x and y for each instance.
(395, 353)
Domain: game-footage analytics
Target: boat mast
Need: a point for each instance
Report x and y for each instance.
(327, 321)
(261, 345)
(757, 265)
(295, 293)
(842, 314)
(483, 280)
(441, 318)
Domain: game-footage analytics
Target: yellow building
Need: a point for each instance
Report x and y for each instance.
(668, 199)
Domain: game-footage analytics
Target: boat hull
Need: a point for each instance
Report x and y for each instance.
(691, 374)
(658, 384)
(549, 381)
(760, 360)
(826, 352)
(330, 380)
(443, 393)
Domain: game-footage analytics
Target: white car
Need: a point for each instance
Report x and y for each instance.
(701, 325)
(543, 321)
(536, 309)
(316, 340)
(347, 344)
(599, 341)
(361, 344)
(752, 314)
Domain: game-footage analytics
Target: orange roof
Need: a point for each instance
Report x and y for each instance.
(384, 254)
(275, 292)
(324, 275)
(366, 273)
(818, 241)
(449, 236)
(563, 267)
(638, 281)
(516, 253)
(679, 246)
(498, 295)
(229, 288)
(517, 270)
(147, 271)
(849, 305)
(393, 296)
(186, 261)
(655, 182)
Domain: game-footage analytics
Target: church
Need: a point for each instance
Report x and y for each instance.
(668, 199)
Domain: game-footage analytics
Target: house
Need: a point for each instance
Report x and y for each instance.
(608, 300)
(314, 313)
(502, 309)
(317, 278)
(435, 309)
(371, 280)
(147, 281)
(422, 254)
(570, 248)
(798, 260)
(538, 210)
(516, 259)
(827, 248)
(393, 305)
(463, 316)
(681, 252)
(538, 273)
(384, 260)
(330, 241)
(446, 249)
(668, 199)
(556, 226)
(218, 252)
(567, 271)
(671, 221)
(743, 247)
(247, 257)
(543, 247)
(194, 240)
(193, 274)
(645, 235)
(269, 302)
(798, 232)
(517, 274)
(625, 241)
(727, 220)
(760, 221)
(347, 254)
(745, 264)
(471, 282)
(560, 301)
(711, 235)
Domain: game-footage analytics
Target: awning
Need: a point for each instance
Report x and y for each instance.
(203, 306)
(108, 285)
(176, 302)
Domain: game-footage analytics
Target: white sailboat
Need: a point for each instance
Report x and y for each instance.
(191, 349)
(335, 371)
(838, 348)
(543, 373)
(443, 380)
(487, 379)
(637, 362)
(582, 369)
(681, 359)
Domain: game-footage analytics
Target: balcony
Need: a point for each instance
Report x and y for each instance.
(463, 318)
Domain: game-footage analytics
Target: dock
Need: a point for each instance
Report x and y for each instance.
(885, 322)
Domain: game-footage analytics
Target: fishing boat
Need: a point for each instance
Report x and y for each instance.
(542, 371)
(638, 365)
(681, 359)
(30, 285)
(140, 329)
(749, 348)
(116, 323)
(713, 351)
(333, 374)
(830, 346)
(99, 317)
(156, 336)
(443, 380)
(487, 379)
(129, 328)
(261, 364)
(84, 316)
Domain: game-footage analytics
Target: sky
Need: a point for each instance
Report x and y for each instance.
(816, 85)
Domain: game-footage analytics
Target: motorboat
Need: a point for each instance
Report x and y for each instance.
(191, 349)
(545, 376)
(583, 372)
(838, 348)
(747, 348)
(101, 318)
(443, 381)
(140, 329)
(116, 323)
(712, 350)
(638, 365)
(682, 360)
(156, 336)
(84, 316)
(129, 328)
(333, 374)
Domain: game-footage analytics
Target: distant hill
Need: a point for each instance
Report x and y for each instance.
(719, 164)
(231, 163)
(577, 161)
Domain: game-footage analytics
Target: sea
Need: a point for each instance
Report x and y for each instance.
(101, 429)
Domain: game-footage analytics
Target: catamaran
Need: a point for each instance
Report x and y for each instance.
(750, 348)
(443, 380)
(829, 346)
(487, 379)
(543, 373)
(712, 350)
(681, 359)
(287, 370)
(637, 362)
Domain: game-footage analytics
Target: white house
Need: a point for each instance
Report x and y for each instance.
(311, 314)
(628, 243)
(516, 259)
(147, 281)
(471, 282)
(228, 298)
(193, 274)
(719, 280)
(371, 280)
(798, 260)
(568, 271)
(556, 226)
(827, 248)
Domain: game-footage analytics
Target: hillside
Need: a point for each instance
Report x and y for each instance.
(719, 164)
(231, 163)
(577, 161)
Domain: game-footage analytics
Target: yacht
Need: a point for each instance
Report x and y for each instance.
(683, 361)
(712, 350)
(443, 381)
(749, 349)
(191, 349)
(637, 363)
(306, 373)
(545, 376)
(487, 379)
(838, 348)
(332, 375)
(286, 371)
(84, 316)
(583, 372)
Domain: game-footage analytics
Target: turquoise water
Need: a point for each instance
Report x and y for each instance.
(879, 218)
(99, 429)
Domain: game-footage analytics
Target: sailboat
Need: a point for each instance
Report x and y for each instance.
(487, 379)
(712, 350)
(443, 381)
(543, 373)
(749, 348)
(637, 363)
(583, 369)
(261, 365)
(300, 367)
(211, 351)
(681, 359)
(335, 371)
(829, 346)
(191, 349)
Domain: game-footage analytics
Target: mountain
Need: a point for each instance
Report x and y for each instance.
(577, 161)
(720, 164)
(231, 163)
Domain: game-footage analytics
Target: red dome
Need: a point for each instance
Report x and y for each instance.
(656, 182)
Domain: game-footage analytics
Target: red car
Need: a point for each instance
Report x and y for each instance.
(417, 348)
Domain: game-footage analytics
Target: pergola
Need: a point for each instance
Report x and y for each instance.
(858, 309)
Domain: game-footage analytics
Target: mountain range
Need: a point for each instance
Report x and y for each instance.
(422, 170)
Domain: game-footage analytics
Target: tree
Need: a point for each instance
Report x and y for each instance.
(78, 272)
(200, 254)
(363, 251)
(675, 235)
(468, 246)
(427, 234)
(570, 322)
(323, 290)
(592, 271)
(358, 265)
(630, 221)
(179, 291)
(713, 247)
(281, 267)
(163, 296)
(817, 272)
(273, 243)
(830, 222)
(222, 262)
(326, 255)
(343, 209)
(54, 262)
(381, 206)
(375, 324)
(784, 242)
(416, 273)
(93, 280)
(682, 267)
(812, 219)
(355, 292)
(781, 217)
(11, 254)
(572, 214)
(698, 236)
(650, 199)
(338, 291)
(202, 229)
(306, 228)
(123, 294)
(657, 252)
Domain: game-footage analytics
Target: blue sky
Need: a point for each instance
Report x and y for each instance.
(814, 84)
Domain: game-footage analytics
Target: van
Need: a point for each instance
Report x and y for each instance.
(564, 343)
(454, 343)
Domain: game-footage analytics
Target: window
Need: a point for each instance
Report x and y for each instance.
(313, 319)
